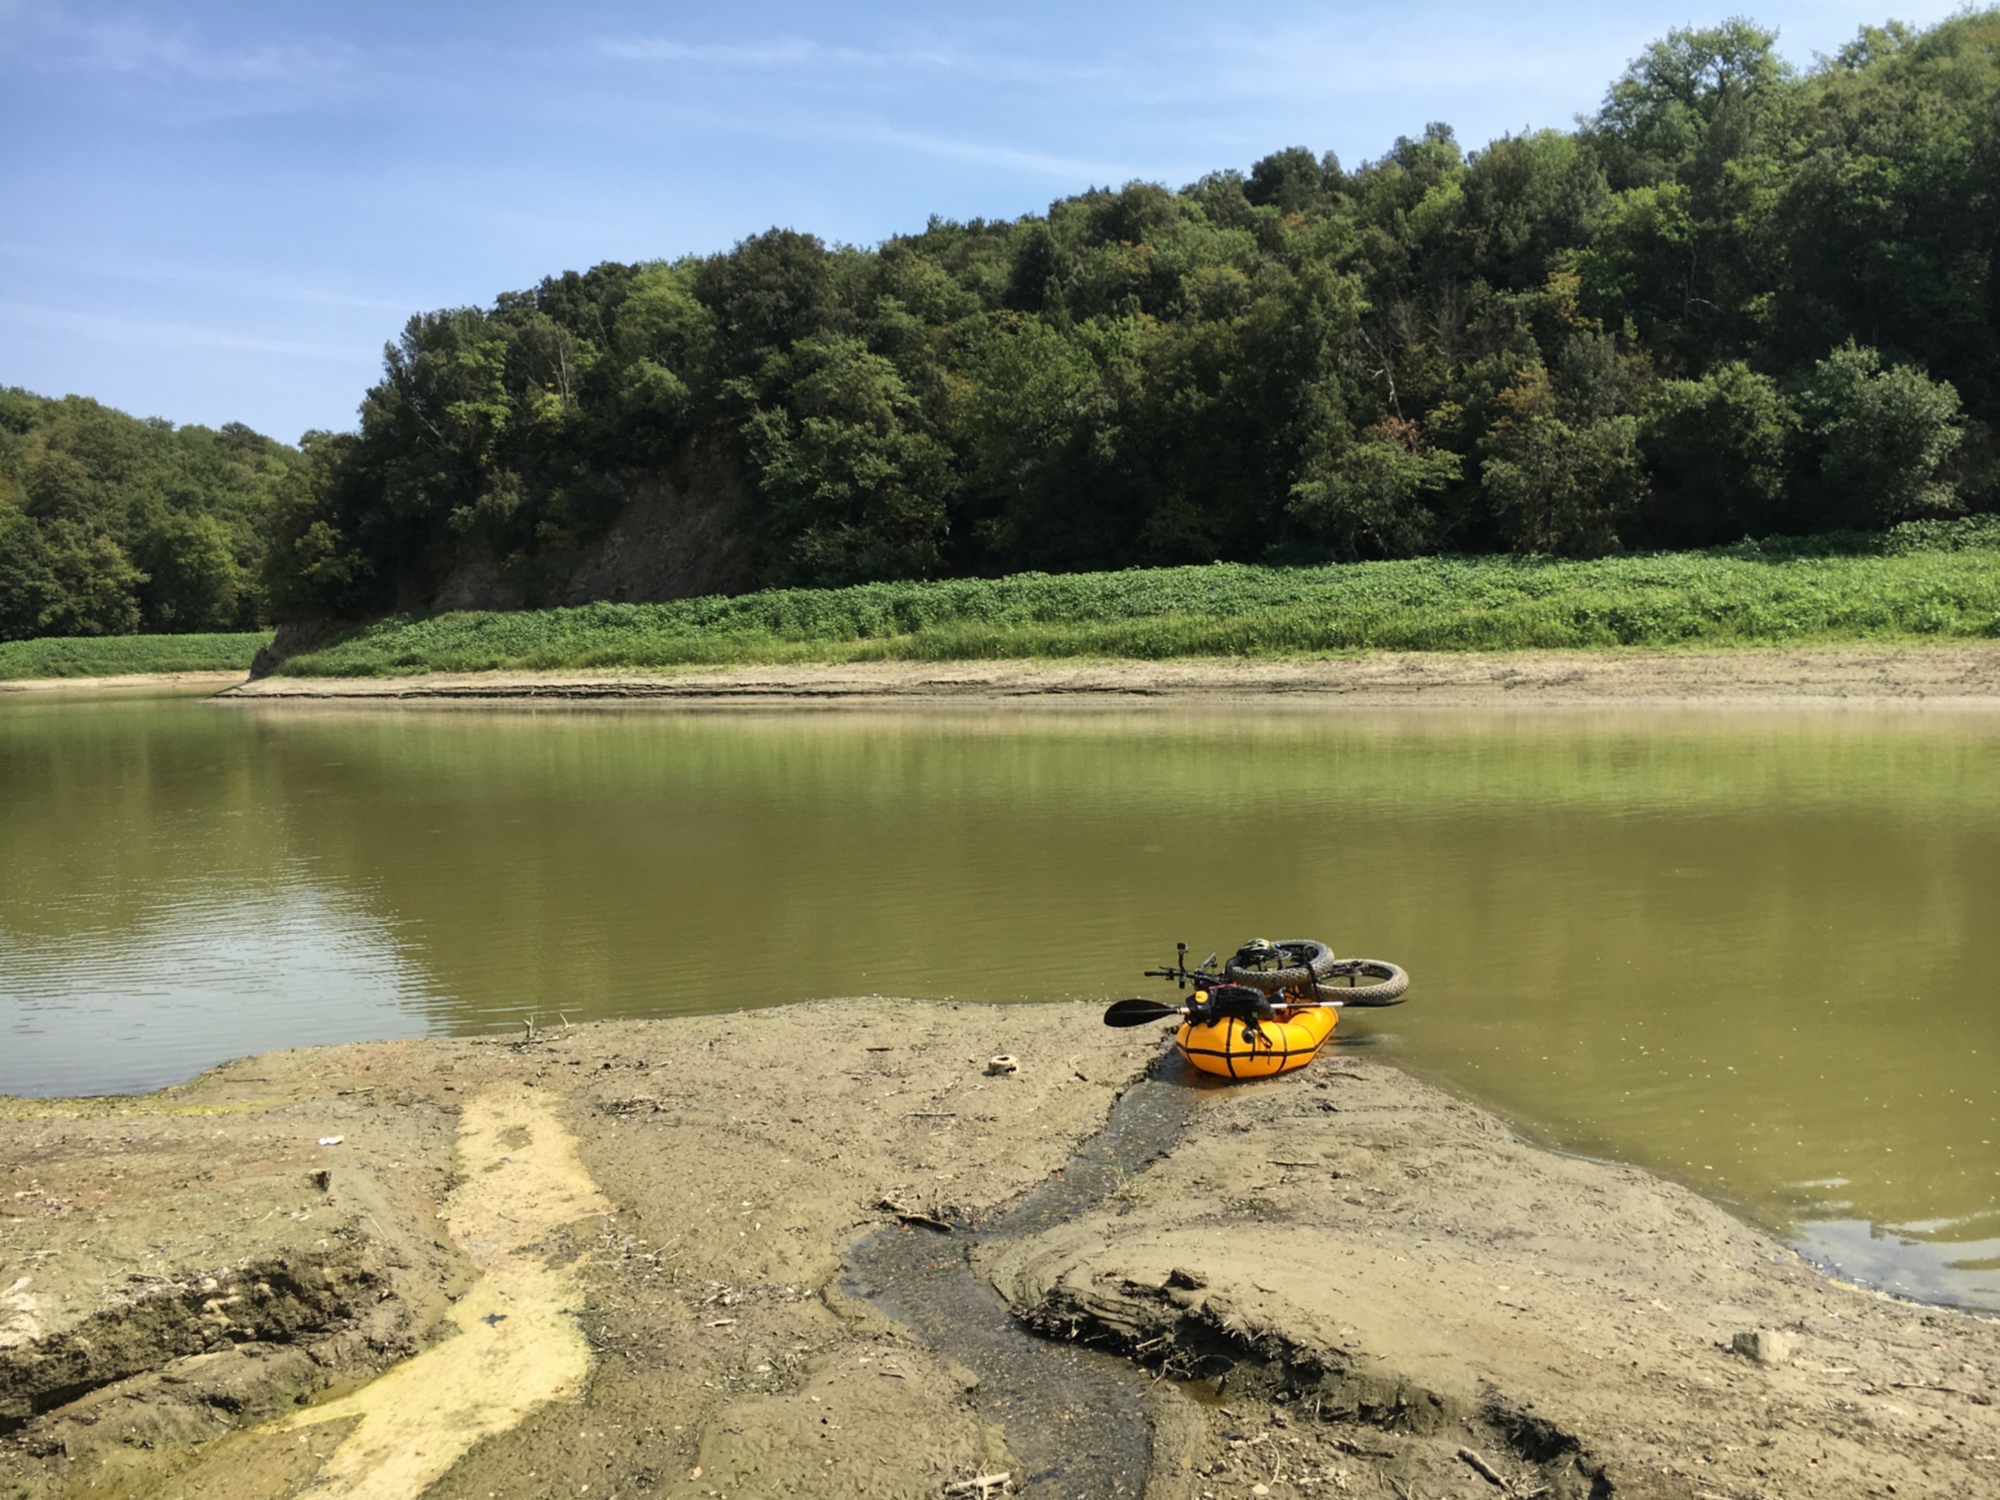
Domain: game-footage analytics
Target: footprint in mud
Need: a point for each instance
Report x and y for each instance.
(516, 1348)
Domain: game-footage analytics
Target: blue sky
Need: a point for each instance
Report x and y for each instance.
(221, 211)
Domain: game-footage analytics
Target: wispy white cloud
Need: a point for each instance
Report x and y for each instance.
(1462, 51)
(803, 54)
(132, 48)
(782, 53)
(987, 153)
(237, 281)
(177, 63)
(114, 329)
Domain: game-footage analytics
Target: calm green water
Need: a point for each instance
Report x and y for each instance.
(1756, 950)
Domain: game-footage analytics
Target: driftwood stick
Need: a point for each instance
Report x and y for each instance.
(914, 1215)
(981, 1484)
(1484, 1470)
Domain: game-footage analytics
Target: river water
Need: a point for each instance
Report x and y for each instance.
(1758, 951)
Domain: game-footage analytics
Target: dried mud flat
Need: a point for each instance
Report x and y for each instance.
(607, 1262)
(1944, 674)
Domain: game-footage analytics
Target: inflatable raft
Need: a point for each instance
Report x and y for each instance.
(1234, 1047)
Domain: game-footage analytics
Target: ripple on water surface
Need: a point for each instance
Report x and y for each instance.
(201, 980)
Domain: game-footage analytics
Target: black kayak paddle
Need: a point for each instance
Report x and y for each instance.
(1139, 1012)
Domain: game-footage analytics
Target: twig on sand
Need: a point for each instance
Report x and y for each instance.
(1484, 1470)
(982, 1484)
(914, 1215)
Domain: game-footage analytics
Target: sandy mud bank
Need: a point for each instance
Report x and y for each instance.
(1968, 674)
(141, 682)
(613, 1257)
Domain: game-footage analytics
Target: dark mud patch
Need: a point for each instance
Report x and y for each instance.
(1072, 1415)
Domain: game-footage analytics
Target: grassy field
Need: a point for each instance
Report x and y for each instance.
(1923, 581)
(119, 655)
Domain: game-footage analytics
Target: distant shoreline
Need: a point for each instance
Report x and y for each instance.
(1939, 676)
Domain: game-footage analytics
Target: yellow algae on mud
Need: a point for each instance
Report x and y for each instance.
(517, 1346)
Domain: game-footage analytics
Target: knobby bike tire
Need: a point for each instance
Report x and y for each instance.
(1388, 990)
(1319, 964)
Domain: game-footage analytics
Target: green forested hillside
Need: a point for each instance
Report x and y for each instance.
(1739, 300)
(110, 524)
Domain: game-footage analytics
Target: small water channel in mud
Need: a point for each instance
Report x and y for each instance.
(1074, 1417)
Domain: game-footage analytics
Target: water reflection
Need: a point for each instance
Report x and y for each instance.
(194, 984)
(1965, 1272)
(1754, 950)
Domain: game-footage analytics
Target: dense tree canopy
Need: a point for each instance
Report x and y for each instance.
(109, 524)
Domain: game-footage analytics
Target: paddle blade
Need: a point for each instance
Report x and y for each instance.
(1138, 1012)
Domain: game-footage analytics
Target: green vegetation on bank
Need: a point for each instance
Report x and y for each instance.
(1741, 299)
(1923, 580)
(110, 524)
(124, 655)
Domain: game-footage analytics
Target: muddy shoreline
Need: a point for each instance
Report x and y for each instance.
(1332, 1282)
(1958, 675)
(1940, 676)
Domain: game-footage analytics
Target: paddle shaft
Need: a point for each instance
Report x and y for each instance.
(1139, 1012)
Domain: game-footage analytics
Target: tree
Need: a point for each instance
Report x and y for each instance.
(1877, 439)
(1718, 448)
(1565, 341)
(1560, 487)
(854, 486)
(1369, 497)
(192, 577)
(772, 290)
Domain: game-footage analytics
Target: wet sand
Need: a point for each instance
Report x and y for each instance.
(612, 1257)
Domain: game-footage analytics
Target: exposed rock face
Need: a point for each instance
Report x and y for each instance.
(678, 537)
(671, 542)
